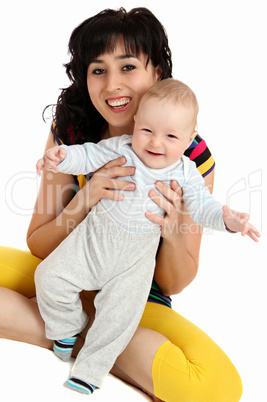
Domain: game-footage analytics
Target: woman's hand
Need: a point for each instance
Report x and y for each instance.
(171, 202)
(60, 208)
(104, 182)
(178, 257)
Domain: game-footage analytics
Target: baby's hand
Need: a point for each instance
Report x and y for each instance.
(239, 222)
(51, 159)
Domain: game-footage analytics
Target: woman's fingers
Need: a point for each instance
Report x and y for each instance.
(111, 183)
(120, 171)
(117, 185)
(104, 183)
(109, 173)
(155, 218)
(161, 201)
(173, 193)
(171, 198)
(177, 188)
(114, 169)
(116, 162)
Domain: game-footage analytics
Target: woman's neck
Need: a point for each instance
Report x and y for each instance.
(109, 131)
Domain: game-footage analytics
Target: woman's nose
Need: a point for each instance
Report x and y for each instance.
(114, 82)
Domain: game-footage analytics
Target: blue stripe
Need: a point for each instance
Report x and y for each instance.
(68, 340)
(62, 350)
(76, 386)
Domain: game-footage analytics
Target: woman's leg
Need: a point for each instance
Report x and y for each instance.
(134, 365)
(189, 366)
(203, 363)
(17, 270)
(20, 319)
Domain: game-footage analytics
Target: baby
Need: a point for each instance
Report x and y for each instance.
(113, 250)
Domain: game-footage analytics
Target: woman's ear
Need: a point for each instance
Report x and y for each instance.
(158, 73)
(195, 133)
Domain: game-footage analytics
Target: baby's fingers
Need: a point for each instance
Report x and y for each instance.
(254, 236)
(40, 166)
(250, 231)
(45, 163)
(61, 154)
(56, 154)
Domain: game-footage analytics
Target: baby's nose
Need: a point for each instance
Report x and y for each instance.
(156, 142)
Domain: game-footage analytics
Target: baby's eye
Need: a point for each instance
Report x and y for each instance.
(128, 67)
(147, 130)
(172, 136)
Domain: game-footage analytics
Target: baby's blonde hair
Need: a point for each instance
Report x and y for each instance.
(175, 91)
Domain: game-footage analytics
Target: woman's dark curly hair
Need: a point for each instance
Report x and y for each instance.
(76, 118)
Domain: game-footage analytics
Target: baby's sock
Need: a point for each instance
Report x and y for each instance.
(63, 347)
(80, 386)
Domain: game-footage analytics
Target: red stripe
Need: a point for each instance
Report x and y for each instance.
(198, 150)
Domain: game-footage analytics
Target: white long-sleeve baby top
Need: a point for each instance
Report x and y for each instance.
(130, 212)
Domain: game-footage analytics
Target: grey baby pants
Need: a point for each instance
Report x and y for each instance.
(97, 255)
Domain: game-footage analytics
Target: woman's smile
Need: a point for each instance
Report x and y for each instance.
(119, 104)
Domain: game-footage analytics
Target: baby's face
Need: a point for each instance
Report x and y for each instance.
(162, 132)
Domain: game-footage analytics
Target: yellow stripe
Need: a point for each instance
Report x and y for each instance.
(81, 180)
(206, 165)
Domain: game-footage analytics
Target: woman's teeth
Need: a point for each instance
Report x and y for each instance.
(118, 103)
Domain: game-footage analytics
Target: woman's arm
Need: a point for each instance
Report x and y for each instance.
(59, 208)
(178, 257)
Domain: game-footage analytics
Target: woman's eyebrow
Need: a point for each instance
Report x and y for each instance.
(121, 57)
(97, 61)
(126, 56)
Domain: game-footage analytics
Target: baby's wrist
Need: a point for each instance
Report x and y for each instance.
(229, 230)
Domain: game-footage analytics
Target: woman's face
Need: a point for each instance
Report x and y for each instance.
(116, 82)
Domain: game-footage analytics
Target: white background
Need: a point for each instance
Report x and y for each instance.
(219, 49)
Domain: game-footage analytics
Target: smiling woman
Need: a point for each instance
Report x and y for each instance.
(116, 82)
(111, 37)
(101, 72)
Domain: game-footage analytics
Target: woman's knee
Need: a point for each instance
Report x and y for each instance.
(231, 387)
(222, 380)
(212, 378)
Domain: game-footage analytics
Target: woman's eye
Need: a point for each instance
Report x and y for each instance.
(128, 67)
(98, 71)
